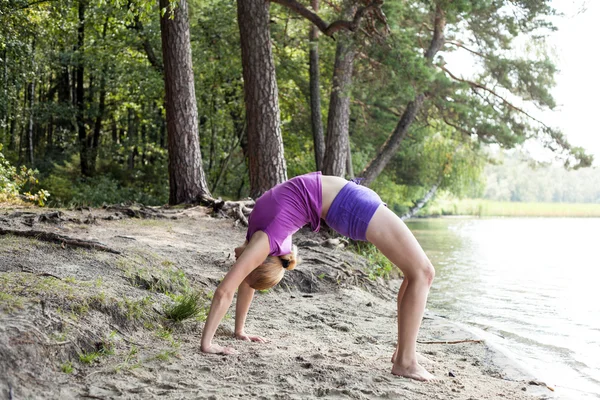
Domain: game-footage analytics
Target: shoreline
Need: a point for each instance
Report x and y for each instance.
(511, 368)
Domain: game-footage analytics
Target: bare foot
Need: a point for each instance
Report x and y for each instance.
(421, 359)
(414, 371)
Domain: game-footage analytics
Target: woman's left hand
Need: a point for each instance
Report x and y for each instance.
(250, 338)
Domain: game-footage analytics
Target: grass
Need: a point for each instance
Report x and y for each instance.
(128, 362)
(10, 303)
(185, 306)
(378, 265)
(66, 367)
(488, 208)
(165, 355)
(88, 358)
(135, 309)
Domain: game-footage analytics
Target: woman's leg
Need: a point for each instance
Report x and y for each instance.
(393, 238)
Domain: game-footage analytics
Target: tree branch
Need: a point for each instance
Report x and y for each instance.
(437, 41)
(33, 3)
(154, 61)
(458, 44)
(492, 92)
(330, 29)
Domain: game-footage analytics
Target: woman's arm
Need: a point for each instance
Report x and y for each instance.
(254, 254)
(244, 299)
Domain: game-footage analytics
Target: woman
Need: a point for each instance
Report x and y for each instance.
(352, 210)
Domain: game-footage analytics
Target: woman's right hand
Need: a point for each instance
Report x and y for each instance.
(216, 349)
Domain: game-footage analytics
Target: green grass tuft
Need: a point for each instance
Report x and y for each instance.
(66, 367)
(185, 306)
(378, 264)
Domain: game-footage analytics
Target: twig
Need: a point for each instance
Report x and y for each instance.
(452, 341)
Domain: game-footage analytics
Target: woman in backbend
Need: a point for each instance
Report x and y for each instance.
(352, 210)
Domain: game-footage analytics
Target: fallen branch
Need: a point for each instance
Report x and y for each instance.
(60, 239)
(452, 341)
(240, 214)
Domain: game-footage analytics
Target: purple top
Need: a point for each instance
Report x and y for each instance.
(284, 209)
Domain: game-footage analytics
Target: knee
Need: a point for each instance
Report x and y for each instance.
(429, 273)
(426, 273)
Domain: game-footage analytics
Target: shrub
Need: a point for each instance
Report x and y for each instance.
(17, 184)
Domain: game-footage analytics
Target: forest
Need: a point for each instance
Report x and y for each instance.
(173, 101)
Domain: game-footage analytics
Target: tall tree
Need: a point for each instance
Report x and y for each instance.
(79, 92)
(338, 118)
(186, 175)
(315, 92)
(486, 106)
(267, 165)
(337, 158)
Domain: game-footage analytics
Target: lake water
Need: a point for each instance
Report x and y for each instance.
(532, 284)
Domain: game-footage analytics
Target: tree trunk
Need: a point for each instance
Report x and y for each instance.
(423, 201)
(349, 166)
(5, 89)
(12, 138)
(79, 94)
(31, 94)
(267, 165)
(338, 118)
(98, 123)
(390, 147)
(31, 98)
(187, 182)
(315, 93)
(50, 135)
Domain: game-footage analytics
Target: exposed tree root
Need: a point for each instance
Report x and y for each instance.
(238, 210)
(61, 239)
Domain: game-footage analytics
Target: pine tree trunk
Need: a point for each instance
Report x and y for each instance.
(390, 147)
(349, 166)
(315, 93)
(98, 124)
(338, 118)
(31, 93)
(5, 89)
(266, 162)
(79, 94)
(187, 182)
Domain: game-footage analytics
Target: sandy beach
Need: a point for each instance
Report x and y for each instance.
(331, 330)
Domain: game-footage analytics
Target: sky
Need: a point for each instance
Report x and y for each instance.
(578, 81)
(577, 88)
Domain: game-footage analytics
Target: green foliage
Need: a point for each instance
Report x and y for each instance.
(10, 303)
(185, 306)
(514, 178)
(121, 61)
(135, 309)
(379, 265)
(14, 181)
(66, 367)
(88, 358)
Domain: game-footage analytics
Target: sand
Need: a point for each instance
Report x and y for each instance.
(331, 330)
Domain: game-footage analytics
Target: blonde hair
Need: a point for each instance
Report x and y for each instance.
(270, 272)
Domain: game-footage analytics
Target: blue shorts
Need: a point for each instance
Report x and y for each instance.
(352, 210)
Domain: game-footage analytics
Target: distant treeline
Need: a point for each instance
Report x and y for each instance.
(517, 180)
